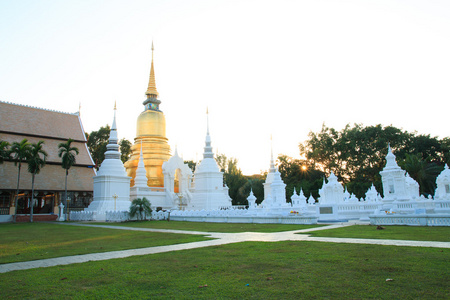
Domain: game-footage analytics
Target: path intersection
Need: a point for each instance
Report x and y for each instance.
(217, 239)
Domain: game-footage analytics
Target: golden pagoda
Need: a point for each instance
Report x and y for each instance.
(151, 132)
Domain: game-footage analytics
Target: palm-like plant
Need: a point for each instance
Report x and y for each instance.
(68, 157)
(4, 153)
(20, 151)
(141, 208)
(35, 164)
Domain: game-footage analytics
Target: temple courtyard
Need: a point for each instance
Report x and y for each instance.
(185, 260)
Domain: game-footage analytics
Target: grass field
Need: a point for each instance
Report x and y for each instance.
(282, 270)
(213, 227)
(31, 241)
(441, 234)
(249, 270)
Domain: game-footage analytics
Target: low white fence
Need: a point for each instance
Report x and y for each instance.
(415, 220)
(113, 216)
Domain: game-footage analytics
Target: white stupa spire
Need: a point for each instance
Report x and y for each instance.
(272, 163)
(112, 149)
(390, 159)
(208, 153)
(141, 174)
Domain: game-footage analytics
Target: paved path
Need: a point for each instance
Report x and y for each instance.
(218, 239)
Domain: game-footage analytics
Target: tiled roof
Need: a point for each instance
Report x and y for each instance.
(18, 122)
(37, 121)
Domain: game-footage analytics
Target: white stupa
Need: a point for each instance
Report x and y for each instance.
(443, 185)
(140, 188)
(111, 185)
(331, 192)
(209, 192)
(396, 185)
(274, 189)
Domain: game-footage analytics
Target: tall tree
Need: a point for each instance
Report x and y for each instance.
(4, 152)
(20, 151)
(96, 142)
(234, 179)
(356, 154)
(125, 149)
(300, 174)
(424, 171)
(191, 164)
(68, 157)
(35, 164)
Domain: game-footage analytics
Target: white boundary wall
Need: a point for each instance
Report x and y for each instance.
(414, 220)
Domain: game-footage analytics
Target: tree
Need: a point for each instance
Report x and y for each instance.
(140, 207)
(20, 152)
(356, 154)
(299, 174)
(423, 171)
(125, 149)
(68, 157)
(191, 164)
(4, 153)
(234, 179)
(96, 142)
(255, 183)
(35, 164)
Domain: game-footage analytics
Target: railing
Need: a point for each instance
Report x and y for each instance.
(4, 210)
(429, 220)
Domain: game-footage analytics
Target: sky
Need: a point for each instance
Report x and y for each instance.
(262, 68)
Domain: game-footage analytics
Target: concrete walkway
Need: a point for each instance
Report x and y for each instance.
(218, 239)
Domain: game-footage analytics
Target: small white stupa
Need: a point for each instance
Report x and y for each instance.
(396, 185)
(140, 188)
(443, 185)
(274, 188)
(111, 185)
(331, 192)
(177, 181)
(209, 192)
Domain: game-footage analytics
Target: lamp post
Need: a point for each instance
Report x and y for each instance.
(115, 199)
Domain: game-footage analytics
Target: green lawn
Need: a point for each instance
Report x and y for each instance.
(31, 241)
(415, 233)
(282, 270)
(213, 227)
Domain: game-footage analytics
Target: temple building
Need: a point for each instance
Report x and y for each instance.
(151, 134)
(18, 122)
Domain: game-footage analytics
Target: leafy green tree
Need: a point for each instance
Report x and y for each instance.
(125, 149)
(356, 154)
(255, 183)
(20, 151)
(424, 171)
(140, 207)
(4, 153)
(299, 174)
(68, 156)
(234, 179)
(96, 142)
(191, 164)
(35, 164)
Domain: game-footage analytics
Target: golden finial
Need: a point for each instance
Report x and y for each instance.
(115, 102)
(151, 90)
(79, 108)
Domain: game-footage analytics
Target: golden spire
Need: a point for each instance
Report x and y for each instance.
(151, 90)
